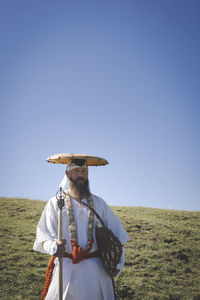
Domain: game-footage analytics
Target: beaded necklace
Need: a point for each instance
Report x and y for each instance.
(77, 252)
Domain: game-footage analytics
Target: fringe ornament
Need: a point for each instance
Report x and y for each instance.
(48, 277)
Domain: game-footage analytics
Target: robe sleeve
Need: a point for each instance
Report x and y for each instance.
(114, 224)
(50, 247)
(47, 232)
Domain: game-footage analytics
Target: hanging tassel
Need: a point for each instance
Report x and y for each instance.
(75, 255)
(80, 253)
(77, 252)
(48, 277)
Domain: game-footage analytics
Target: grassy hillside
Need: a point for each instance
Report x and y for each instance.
(162, 258)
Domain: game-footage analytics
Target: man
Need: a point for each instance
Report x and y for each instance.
(84, 275)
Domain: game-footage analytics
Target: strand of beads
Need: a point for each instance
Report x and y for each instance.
(72, 223)
(71, 219)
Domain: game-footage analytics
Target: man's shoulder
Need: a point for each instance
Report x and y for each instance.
(99, 201)
(97, 198)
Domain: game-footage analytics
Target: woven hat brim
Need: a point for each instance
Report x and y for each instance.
(66, 158)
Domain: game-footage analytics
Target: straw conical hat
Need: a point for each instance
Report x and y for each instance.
(66, 158)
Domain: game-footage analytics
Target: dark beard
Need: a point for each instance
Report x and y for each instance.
(79, 188)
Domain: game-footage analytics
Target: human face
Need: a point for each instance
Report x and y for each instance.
(79, 175)
(78, 183)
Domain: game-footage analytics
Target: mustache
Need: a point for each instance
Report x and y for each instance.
(80, 178)
(77, 179)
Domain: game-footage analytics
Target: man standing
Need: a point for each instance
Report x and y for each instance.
(84, 275)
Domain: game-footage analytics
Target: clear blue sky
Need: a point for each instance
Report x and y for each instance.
(117, 79)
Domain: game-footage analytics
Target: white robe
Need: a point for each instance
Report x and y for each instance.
(87, 280)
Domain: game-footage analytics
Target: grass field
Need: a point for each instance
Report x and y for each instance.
(162, 257)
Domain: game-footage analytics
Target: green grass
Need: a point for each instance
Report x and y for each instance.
(162, 257)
